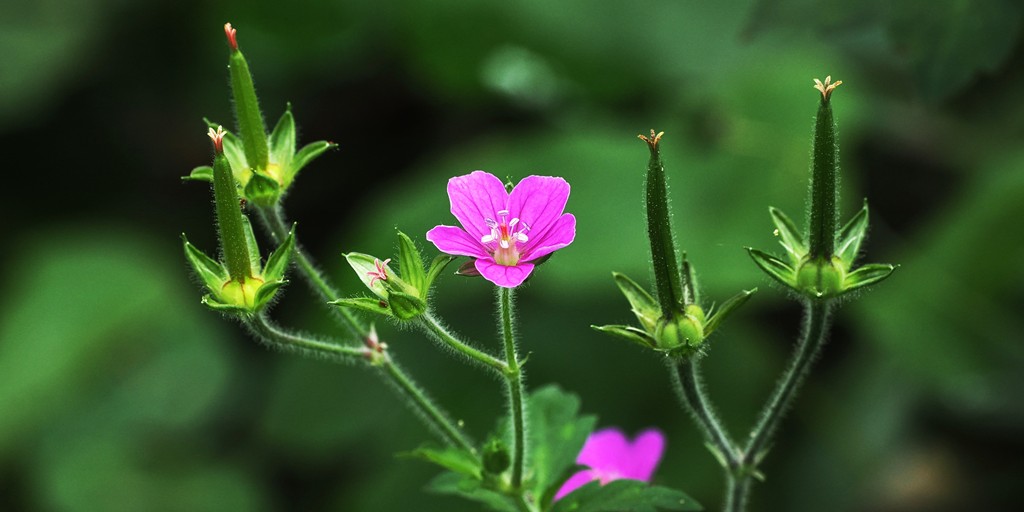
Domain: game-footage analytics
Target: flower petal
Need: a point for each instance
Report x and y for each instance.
(476, 197)
(645, 453)
(502, 275)
(575, 482)
(453, 240)
(561, 234)
(538, 201)
(606, 451)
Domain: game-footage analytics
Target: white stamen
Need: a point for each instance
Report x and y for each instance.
(503, 244)
(488, 238)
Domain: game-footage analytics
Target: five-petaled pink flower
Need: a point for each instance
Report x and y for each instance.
(609, 455)
(505, 231)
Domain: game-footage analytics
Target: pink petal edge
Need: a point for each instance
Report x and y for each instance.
(502, 275)
(454, 240)
(561, 234)
(574, 482)
(474, 198)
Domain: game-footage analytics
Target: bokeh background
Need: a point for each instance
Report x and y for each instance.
(120, 392)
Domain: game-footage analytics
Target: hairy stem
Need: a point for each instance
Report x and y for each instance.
(430, 412)
(687, 383)
(272, 218)
(514, 377)
(438, 332)
(261, 326)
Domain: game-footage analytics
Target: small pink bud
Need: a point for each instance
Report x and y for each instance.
(230, 32)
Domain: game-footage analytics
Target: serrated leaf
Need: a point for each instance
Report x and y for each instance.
(471, 489)
(774, 267)
(851, 236)
(789, 236)
(451, 458)
(282, 139)
(368, 304)
(254, 248)
(411, 264)
(307, 154)
(262, 188)
(201, 173)
(557, 434)
(644, 306)
(627, 333)
(867, 275)
(209, 270)
(620, 495)
(436, 267)
(363, 265)
(727, 307)
(266, 292)
(278, 261)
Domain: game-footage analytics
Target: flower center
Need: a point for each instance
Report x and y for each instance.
(502, 240)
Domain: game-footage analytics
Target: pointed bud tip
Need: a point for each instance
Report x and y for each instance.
(217, 136)
(231, 33)
(826, 87)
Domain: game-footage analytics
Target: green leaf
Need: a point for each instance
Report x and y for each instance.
(411, 264)
(282, 139)
(209, 270)
(254, 248)
(307, 154)
(451, 458)
(201, 173)
(471, 489)
(852, 235)
(644, 306)
(278, 261)
(262, 188)
(867, 275)
(727, 308)
(557, 434)
(368, 304)
(774, 267)
(620, 495)
(789, 235)
(628, 333)
(363, 265)
(436, 267)
(266, 292)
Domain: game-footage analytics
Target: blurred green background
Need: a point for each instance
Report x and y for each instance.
(119, 391)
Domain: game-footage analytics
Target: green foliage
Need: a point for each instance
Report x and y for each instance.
(556, 436)
(624, 496)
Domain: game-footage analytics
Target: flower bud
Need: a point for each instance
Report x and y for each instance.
(680, 333)
(820, 278)
(496, 457)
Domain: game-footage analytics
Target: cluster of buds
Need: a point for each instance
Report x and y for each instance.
(674, 323)
(239, 283)
(400, 296)
(264, 166)
(819, 265)
(375, 351)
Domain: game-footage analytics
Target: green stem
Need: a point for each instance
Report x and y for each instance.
(737, 488)
(688, 387)
(272, 218)
(432, 326)
(275, 336)
(433, 415)
(514, 377)
(816, 326)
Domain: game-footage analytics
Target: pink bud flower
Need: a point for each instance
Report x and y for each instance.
(230, 32)
(505, 231)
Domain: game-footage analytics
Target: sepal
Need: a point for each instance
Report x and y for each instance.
(867, 275)
(262, 189)
(266, 292)
(201, 173)
(220, 307)
(368, 304)
(789, 236)
(282, 139)
(436, 267)
(774, 267)
(210, 271)
(644, 306)
(278, 261)
(852, 236)
(304, 156)
(726, 309)
(410, 262)
(628, 333)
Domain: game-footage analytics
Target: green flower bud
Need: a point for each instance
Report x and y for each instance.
(496, 457)
(680, 333)
(819, 278)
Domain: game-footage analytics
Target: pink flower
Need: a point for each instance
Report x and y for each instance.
(609, 455)
(505, 231)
